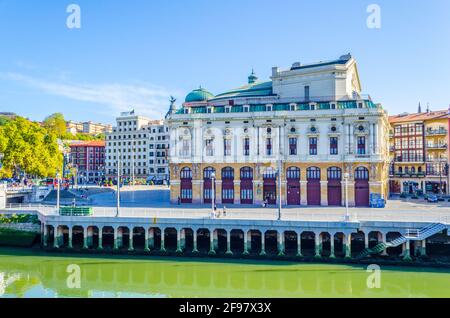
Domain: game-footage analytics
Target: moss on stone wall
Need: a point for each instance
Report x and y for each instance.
(12, 237)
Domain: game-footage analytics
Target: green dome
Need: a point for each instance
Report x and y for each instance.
(198, 95)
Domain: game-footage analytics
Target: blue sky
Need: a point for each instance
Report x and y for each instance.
(138, 52)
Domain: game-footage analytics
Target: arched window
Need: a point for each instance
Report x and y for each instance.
(246, 173)
(293, 173)
(207, 172)
(269, 173)
(227, 173)
(313, 173)
(334, 173)
(186, 173)
(361, 173)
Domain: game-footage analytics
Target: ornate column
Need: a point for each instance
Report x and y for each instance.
(280, 243)
(194, 237)
(423, 248)
(183, 239)
(299, 244)
(116, 238)
(55, 236)
(317, 245)
(100, 238)
(211, 243)
(45, 236)
(347, 245)
(146, 240)
(90, 236)
(406, 251)
(366, 240)
(303, 192)
(263, 243)
(85, 239)
(70, 237)
(247, 242)
(332, 255)
(383, 240)
(130, 237)
(163, 240)
(179, 249)
(229, 252)
(151, 238)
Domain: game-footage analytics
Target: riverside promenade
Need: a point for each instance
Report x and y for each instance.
(147, 223)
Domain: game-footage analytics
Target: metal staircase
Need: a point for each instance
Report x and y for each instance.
(411, 235)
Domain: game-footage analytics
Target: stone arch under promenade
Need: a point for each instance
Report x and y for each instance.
(375, 238)
(308, 243)
(187, 237)
(339, 248)
(357, 242)
(123, 237)
(220, 240)
(203, 240)
(394, 251)
(271, 242)
(237, 238)
(255, 242)
(63, 236)
(139, 237)
(170, 239)
(92, 236)
(108, 237)
(154, 235)
(50, 236)
(77, 236)
(290, 243)
(325, 246)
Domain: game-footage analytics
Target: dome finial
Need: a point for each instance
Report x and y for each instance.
(252, 78)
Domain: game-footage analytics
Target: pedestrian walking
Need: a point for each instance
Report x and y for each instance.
(224, 210)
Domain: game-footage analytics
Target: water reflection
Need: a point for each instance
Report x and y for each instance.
(45, 276)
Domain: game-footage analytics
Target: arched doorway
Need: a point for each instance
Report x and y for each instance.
(186, 185)
(228, 185)
(313, 185)
(293, 185)
(207, 184)
(334, 175)
(270, 186)
(246, 174)
(362, 187)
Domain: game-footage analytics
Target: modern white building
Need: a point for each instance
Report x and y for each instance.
(140, 146)
(310, 121)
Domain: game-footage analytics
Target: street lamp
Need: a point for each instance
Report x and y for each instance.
(213, 176)
(347, 213)
(58, 176)
(118, 185)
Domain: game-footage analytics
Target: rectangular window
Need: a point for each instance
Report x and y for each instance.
(292, 146)
(209, 147)
(185, 151)
(306, 93)
(333, 145)
(246, 146)
(227, 147)
(313, 145)
(361, 145)
(269, 146)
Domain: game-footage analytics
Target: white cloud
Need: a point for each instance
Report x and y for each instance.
(147, 100)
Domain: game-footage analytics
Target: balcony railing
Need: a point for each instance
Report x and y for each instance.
(434, 132)
(436, 146)
(407, 174)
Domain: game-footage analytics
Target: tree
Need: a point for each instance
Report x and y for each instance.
(28, 148)
(4, 120)
(56, 124)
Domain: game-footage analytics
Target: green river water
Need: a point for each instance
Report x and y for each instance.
(24, 273)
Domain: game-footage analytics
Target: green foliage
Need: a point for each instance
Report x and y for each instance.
(4, 120)
(19, 218)
(28, 147)
(11, 237)
(56, 124)
(82, 136)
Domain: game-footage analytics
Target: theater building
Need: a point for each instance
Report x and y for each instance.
(310, 122)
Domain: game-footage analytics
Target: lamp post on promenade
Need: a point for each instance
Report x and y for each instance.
(347, 213)
(213, 176)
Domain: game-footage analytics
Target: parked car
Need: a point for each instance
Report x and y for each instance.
(432, 198)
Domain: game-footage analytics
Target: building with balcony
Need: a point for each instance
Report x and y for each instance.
(419, 152)
(88, 157)
(140, 145)
(299, 134)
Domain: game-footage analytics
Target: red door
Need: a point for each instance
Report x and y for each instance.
(293, 185)
(186, 185)
(228, 185)
(362, 190)
(313, 186)
(270, 192)
(334, 175)
(362, 193)
(207, 191)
